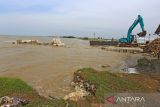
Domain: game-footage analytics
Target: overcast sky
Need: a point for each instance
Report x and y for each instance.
(107, 18)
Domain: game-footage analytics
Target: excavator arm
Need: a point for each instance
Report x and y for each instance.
(130, 37)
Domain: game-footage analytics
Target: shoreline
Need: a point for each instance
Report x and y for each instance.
(43, 67)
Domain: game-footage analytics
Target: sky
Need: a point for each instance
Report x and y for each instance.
(107, 18)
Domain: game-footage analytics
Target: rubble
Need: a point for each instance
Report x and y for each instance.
(57, 42)
(27, 42)
(78, 94)
(12, 102)
(54, 42)
(80, 81)
(83, 88)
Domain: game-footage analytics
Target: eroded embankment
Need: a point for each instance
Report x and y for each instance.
(93, 85)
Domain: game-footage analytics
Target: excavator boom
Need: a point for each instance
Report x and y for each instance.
(130, 37)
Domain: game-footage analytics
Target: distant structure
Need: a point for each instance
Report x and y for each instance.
(94, 34)
(158, 30)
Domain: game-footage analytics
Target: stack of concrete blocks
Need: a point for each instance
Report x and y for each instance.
(27, 41)
(57, 42)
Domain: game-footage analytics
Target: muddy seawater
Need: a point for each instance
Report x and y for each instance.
(49, 69)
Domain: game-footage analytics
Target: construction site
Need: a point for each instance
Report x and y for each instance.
(130, 43)
(80, 71)
(83, 53)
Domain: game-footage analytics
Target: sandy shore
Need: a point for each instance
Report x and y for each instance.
(50, 69)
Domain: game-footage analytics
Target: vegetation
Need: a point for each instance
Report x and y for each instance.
(85, 38)
(107, 82)
(68, 37)
(11, 85)
(16, 87)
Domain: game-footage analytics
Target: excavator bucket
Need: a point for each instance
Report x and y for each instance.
(142, 34)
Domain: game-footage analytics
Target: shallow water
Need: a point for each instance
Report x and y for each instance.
(132, 71)
(50, 69)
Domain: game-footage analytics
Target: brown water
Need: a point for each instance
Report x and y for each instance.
(50, 69)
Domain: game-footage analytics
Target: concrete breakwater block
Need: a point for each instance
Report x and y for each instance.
(54, 42)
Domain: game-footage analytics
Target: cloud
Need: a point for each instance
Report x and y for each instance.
(81, 17)
(26, 6)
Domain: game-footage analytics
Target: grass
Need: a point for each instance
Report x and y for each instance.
(106, 82)
(109, 83)
(12, 85)
(16, 87)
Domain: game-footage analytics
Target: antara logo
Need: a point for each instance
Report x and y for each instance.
(120, 99)
(111, 99)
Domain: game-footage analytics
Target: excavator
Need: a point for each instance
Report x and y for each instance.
(130, 40)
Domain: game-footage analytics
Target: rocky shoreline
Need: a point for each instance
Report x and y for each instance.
(82, 87)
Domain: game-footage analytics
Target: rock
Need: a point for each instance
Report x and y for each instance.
(72, 84)
(12, 102)
(5, 99)
(83, 88)
(27, 41)
(83, 84)
(78, 94)
(105, 66)
(57, 42)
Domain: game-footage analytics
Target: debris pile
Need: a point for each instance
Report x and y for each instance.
(83, 88)
(27, 42)
(12, 102)
(153, 47)
(57, 42)
(78, 94)
(54, 42)
(80, 81)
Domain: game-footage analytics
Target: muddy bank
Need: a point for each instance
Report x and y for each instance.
(151, 66)
(140, 64)
(91, 86)
(129, 62)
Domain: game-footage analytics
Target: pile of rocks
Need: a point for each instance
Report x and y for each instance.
(12, 102)
(54, 42)
(80, 81)
(78, 94)
(27, 41)
(57, 42)
(83, 88)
